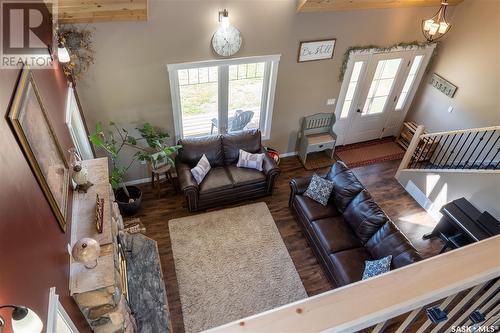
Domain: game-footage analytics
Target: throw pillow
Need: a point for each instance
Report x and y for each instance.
(319, 189)
(377, 267)
(201, 169)
(251, 161)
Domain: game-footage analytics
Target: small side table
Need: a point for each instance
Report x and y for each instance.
(155, 177)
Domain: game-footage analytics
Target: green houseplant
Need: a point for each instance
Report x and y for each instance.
(151, 147)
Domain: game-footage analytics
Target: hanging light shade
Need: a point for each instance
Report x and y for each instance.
(437, 26)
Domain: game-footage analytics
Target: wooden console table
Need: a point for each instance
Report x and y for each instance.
(101, 292)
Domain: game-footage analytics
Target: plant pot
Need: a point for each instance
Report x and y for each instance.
(126, 207)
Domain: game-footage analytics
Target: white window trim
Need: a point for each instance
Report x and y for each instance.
(268, 89)
(75, 136)
(55, 310)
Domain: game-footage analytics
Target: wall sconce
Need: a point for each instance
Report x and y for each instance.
(24, 320)
(436, 27)
(224, 18)
(63, 54)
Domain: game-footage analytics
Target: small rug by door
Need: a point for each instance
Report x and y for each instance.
(231, 264)
(318, 160)
(370, 152)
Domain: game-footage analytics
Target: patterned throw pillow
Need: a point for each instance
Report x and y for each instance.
(319, 189)
(201, 169)
(377, 267)
(251, 161)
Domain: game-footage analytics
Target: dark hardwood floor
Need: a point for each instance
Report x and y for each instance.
(378, 179)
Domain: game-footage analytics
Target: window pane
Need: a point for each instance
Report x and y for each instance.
(345, 109)
(245, 97)
(351, 89)
(409, 82)
(199, 101)
(381, 86)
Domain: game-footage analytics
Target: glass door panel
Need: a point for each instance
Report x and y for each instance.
(351, 89)
(410, 80)
(198, 89)
(246, 82)
(381, 86)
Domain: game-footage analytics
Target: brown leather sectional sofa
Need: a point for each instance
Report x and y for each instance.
(225, 183)
(352, 228)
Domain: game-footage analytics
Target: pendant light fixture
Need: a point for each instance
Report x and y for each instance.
(437, 26)
(23, 320)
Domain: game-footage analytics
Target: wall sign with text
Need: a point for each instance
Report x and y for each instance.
(316, 50)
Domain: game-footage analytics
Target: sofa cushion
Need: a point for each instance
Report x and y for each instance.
(313, 210)
(217, 179)
(201, 169)
(248, 140)
(242, 176)
(194, 148)
(250, 161)
(364, 216)
(377, 267)
(319, 189)
(389, 240)
(349, 265)
(345, 185)
(334, 234)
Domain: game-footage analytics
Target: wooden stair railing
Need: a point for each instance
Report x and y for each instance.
(461, 282)
(469, 149)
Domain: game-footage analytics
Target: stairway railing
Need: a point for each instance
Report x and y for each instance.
(469, 149)
(460, 285)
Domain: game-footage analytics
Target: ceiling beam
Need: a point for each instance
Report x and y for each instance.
(338, 5)
(90, 11)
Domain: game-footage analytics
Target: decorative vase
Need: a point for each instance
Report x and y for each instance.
(86, 251)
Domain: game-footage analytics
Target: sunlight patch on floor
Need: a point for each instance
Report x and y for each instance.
(421, 218)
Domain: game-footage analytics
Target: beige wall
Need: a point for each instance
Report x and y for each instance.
(129, 82)
(469, 57)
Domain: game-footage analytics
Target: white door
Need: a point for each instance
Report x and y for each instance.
(376, 93)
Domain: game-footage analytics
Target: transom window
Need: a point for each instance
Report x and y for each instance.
(223, 96)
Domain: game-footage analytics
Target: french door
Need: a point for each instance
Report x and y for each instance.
(376, 93)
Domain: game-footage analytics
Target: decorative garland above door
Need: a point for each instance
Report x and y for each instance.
(376, 48)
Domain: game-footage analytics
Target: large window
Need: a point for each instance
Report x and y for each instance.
(223, 96)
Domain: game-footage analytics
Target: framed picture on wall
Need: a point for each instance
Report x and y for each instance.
(32, 128)
(316, 50)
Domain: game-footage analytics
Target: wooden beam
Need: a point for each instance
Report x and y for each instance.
(85, 11)
(337, 5)
(368, 302)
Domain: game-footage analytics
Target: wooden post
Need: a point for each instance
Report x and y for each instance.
(411, 149)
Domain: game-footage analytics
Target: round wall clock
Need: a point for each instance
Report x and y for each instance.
(226, 41)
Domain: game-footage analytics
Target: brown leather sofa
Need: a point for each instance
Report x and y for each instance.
(225, 183)
(352, 228)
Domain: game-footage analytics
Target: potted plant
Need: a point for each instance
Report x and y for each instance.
(155, 152)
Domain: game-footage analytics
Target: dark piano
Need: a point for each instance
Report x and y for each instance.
(463, 224)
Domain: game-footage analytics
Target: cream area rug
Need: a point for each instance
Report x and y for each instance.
(231, 264)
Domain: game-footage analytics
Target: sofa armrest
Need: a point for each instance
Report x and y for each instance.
(271, 170)
(187, 184)
(299, 185)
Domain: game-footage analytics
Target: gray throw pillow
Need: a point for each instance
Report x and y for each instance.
(251, 161)
(319, 189)
(377, 267)
(201, 169)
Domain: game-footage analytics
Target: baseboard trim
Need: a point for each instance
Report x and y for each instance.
(292, 153)
(141, 181)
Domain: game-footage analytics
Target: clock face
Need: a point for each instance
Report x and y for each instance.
(226, 41)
